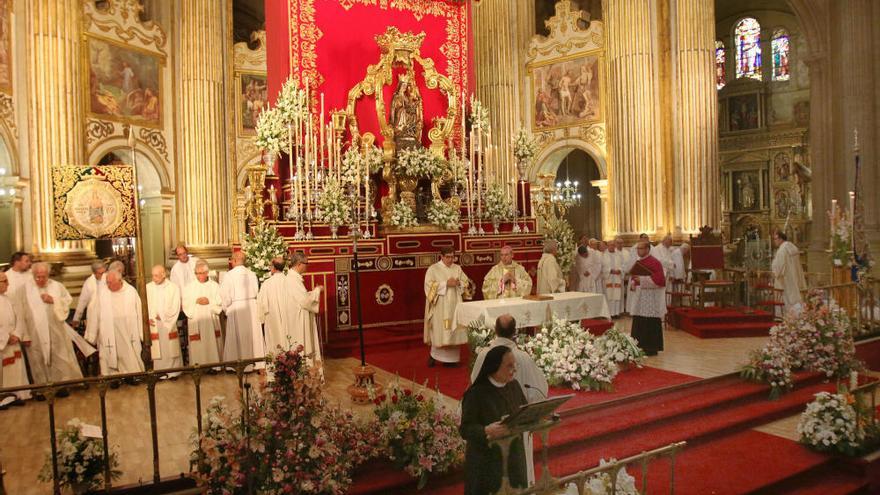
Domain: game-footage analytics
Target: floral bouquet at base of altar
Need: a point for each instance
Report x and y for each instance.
(841, 238)
(817, 339)
(479, 335)
(353, 161)
(524, 145)
(838, 423)
(80, 460)
(444, 215)
(402, 216)
(600, 484)
(260, 245)
(620, 348)
(568, 354)
(334, 206)
(295, 442)
(417, 433)
(497, 205)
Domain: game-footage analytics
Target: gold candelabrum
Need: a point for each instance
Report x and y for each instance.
(550, 203)
(254, 198)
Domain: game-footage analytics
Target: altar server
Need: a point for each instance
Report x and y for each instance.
(681, 258)
(550, 276)
(446, 286)
(649, 306)
(304, 307)
(116, 326)
(19, 271)
(48, 342)
(587, 270)
(507, 279)
(183, 272)
(12, 328)
(274, 303)
(787, 272)
(163, 307)
(528, 375)
(88, 291)
(202, 306)
(238, 291)
(612, 269)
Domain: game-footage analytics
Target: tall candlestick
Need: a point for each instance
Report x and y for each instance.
(852, 223)
(323, 143)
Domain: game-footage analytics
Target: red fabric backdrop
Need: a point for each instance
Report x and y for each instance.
(333, 41)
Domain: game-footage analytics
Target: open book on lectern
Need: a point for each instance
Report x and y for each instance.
(534, 412)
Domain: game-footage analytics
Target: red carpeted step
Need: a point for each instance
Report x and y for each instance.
(727, 330)
(824, 480)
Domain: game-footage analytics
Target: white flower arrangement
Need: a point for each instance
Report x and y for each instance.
(353, 161)
(600, 484)
(334, 205)
(560, 230)
(479, 336)
(272, 132)
(524, 145)
(829, 424)
(567, 354)
(458, 171)
(479, 115)
(620, 348)
(261, 245)
(80, 460)
(444, 215)
(419, 162)
(496, 203)
(402, 216)
(841, 238)
(292, 102)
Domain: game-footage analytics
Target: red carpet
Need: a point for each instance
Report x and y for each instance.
(714, 416)
(713, 323)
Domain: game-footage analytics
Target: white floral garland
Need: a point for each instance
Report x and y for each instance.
(334, 205)
(497, 205)
(524, 145)
(444, 215)
(418, 162)
(402, 216)
(260, 246)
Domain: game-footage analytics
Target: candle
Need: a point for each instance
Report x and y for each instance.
(833, 221)
(369, 204)
(852, 225)
(321, 129)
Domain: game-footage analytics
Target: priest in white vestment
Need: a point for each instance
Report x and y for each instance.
(664, 253)
(238, 291)
(507, 279)
(446, 286)
(550, 276)
(202, 306)
(183, 272)
(587, 270)
(88, 291)
(787, 272)
(303, 307)
(528, 375)
(274, 303)
(163, 307)
(49, 340)
(681, 259)
(612, 269)
(116, 325)
(12, 328)
(19, 272)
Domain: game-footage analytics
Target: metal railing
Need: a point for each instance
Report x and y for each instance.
(859, 301)
(860, 393)
(580, 479)
(151, 378)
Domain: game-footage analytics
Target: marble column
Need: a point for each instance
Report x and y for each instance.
(695, 116)
(55, 113)
(634, 118)
(202, 200)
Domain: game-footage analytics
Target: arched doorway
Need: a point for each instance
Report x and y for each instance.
(585, 217)
(155, 209)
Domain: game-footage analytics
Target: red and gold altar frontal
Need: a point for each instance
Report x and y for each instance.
(372, 135)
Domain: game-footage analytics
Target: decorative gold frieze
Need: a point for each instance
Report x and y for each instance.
(7, 113)
(120, 19)
(154, 139)
(97, 130)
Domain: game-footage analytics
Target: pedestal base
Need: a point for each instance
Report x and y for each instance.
(363, 382)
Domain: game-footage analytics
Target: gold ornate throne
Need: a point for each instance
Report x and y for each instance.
(401, 51)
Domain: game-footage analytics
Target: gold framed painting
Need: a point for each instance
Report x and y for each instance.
(251, 97)
(567, 92)
(93, 202)
(124, 82)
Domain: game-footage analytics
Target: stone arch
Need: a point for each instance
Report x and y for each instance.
(144, 154)
(549, 159)
(9, 151)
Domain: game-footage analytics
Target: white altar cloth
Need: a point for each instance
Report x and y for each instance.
(528, 313)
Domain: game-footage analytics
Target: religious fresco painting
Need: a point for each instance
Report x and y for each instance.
(125, 83)
(743, 112)
(252, 98)
(567, 93)
(6, 45)
(746, 190)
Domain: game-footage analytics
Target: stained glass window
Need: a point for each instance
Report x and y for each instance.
(720, 70)
(780, 45)
(748, 48)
